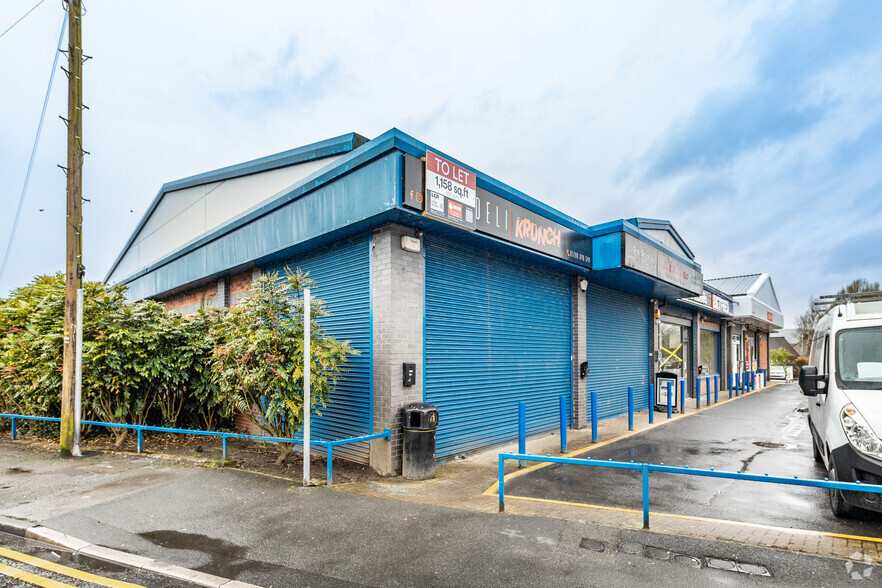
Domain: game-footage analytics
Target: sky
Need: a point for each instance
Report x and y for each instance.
(754, 127)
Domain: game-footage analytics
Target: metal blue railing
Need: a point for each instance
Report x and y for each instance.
(297, 440)
(646, 468)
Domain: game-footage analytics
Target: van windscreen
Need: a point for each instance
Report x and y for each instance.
(859, 358)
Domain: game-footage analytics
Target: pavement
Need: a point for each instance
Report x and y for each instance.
(241, 527)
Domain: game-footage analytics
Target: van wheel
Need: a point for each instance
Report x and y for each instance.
(838, 505)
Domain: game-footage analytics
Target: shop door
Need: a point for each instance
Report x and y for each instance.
(618, 350)
(497, 331)
(675, 350)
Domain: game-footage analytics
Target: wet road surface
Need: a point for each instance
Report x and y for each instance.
(765, 432)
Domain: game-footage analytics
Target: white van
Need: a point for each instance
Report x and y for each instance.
(844, 381)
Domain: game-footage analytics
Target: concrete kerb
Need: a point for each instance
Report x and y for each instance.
(121, 558)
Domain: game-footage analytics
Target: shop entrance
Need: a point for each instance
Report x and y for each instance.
(675, 348)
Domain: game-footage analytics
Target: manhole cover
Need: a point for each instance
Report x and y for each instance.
(591, 544)
(656, 553)
(768, 444)
(687, 560)
(631, 547)
(721, 564)
(753, 569)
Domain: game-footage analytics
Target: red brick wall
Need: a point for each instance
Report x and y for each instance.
(240, 284)
(195, 296)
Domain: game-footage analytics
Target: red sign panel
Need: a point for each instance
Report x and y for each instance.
(770, 316)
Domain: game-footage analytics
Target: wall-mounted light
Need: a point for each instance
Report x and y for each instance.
(411, 244)
(583, 285)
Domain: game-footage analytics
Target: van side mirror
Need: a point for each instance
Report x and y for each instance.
(810, 382)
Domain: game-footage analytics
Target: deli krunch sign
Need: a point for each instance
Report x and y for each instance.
(498, 217)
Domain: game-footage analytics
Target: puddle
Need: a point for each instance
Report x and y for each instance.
(769, 444)
(227, 559)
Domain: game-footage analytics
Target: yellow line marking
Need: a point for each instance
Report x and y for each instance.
(30, 578)
(64, 570)
(702, 519)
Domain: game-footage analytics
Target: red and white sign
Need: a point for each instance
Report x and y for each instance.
(452, 191)
(770, 316)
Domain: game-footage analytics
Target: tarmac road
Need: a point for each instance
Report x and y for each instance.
(764, 432)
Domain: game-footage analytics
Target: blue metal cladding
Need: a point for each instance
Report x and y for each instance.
(497, 331)
(341, 272)
(618, 349)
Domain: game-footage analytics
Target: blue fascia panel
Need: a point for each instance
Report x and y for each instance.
(362, 194)
(314, 151)
(634, 282)
(606, 251)
(689, 305)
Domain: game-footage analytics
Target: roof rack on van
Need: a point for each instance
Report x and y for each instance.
(825, 303)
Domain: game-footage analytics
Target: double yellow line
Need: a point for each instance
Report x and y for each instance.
(37, 580)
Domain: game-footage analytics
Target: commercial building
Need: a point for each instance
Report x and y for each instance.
(491, 295)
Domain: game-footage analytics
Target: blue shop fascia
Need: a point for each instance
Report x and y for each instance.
(492, 296)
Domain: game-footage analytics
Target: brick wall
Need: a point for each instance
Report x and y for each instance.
(192, 300)
(397, 282)
(240, 285)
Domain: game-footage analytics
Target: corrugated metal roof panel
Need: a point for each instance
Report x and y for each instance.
(735, 285)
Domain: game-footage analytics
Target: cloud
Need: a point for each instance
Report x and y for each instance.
(856, 254)
(780, 101)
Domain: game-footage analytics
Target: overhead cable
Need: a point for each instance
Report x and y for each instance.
(24, 188)
(21, 19)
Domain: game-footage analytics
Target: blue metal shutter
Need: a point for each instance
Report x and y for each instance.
(497, 331)
(342, 275)
(618, 350)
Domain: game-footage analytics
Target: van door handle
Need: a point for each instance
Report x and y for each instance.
(817, 404)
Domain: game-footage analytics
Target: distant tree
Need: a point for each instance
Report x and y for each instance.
(781, 357)
(805, 323)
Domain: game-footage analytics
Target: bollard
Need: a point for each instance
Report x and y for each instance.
(563, 424)
(522, 431)
(224, 447)
(738, 380)
(682, 396)
(594, 417)
(697, 393)
(731, 380)
(651, 404)
(669, 399)
(140, 440)
(13, 429)
(716, 388)
(708, 392)
(766, 377)
(645, 471)
(630, 408)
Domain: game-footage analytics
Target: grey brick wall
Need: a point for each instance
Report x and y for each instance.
(397, 282)
(580, 354)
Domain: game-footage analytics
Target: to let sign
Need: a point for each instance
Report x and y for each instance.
(451, 191)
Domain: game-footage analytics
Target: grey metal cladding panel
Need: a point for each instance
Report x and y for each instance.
(618, 350)
(734, 285)
(342, 275)
(766, 294)
(497, 331)
(359, 195)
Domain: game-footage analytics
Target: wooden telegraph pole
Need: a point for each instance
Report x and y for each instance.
(74, 268)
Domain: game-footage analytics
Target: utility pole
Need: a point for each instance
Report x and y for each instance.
(74, 268)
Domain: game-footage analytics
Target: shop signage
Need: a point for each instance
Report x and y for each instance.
(770, 316)
(648, 259)
(720, 305)
(498, 217)
(451, 191)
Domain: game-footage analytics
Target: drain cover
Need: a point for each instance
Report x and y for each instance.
(753, 569)
(656, 553)
(768, 444)
(631, 547)
(686, 560)
(722, 564)
(591, 544)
